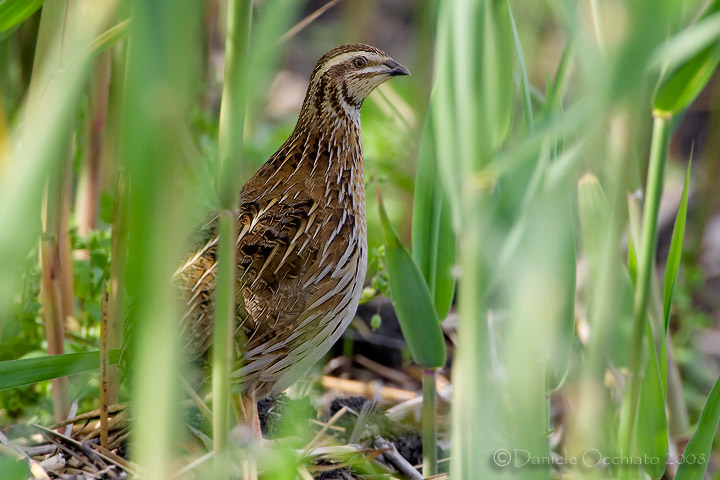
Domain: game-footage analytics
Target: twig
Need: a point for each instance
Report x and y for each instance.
(354, 387)
(398, 461)
(298, 27)
(90, 415)
(60, 440)
(109, 456)
(104, 374)
(112, 424)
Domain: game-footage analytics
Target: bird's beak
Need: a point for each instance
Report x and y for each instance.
(396, 68)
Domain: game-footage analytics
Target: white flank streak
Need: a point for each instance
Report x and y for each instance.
(204, 275)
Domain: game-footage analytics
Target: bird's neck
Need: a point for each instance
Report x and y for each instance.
(322, 159)
(329, 130)
(328, 135)
(331, 103)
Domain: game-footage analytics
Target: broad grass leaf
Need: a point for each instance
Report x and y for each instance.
(18, 373)
(697, 452)
(412, 301)
(433, 237)
(652, 427)
(680, 86)
(14, 12)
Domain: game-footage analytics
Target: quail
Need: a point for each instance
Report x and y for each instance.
(301, 245)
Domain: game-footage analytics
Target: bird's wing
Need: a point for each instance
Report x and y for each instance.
(272, 249)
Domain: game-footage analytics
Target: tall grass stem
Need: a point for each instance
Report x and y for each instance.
(232, 114)
(653, 191)
(223, 334)
(429, 423)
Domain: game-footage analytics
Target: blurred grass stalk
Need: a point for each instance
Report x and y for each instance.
(119, 238)
(40, 151)
(416, 309)
(433, 250)
(471, 105)
(158, 93)
(232, 115)
(56, 286)
(646, 262)
(679, 87)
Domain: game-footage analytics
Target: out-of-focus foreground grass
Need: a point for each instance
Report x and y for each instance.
(534, 137)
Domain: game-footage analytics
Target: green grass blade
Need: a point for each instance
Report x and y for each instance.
(652, 428)
(35, 145)
(157, 95)
(433, 237)
(412, 301)
(653, 191)
(429, 423)
(559, 358)
(232, 116)
(632, 259)
(420, 327)
(558, 87)
(527, 103)
(496, 67)
(14, 12)
(688, 43)
(698, 449)
(18, 373)
(675, 253)
(681, 85)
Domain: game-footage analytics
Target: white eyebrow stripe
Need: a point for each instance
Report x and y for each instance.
(343, 57)
(376, 68)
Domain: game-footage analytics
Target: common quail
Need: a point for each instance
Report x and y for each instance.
(301, 246)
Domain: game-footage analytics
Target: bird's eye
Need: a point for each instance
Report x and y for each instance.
(359, 62)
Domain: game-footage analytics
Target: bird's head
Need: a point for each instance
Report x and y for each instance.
(348, 73)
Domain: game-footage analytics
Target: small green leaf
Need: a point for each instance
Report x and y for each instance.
(652, 428)
(680, 88)
(18, 373)
(527, 104)
(682, 84)
(697, 452)
(556, 89)
(14, 12)
(632, 259)
(433, 237)
(676, 244)
(412, 301)
(375, 322)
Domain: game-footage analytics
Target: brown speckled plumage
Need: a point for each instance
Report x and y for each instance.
(301, 247)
